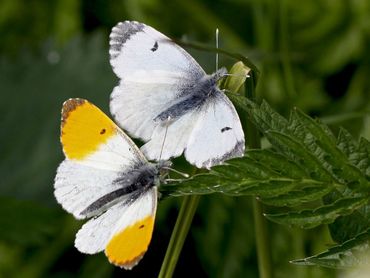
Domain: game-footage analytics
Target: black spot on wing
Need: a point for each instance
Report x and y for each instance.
(122, 33)
(155, 47)
(102, 131)
(141, 226)
(226, 128)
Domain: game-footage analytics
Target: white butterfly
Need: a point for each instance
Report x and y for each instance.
(105, 176)
(163, 90)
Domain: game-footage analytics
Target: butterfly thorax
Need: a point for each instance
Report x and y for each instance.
(139, 178)
(193, 96)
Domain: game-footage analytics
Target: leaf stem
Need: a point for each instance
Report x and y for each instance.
(183, 222)
(262, 240)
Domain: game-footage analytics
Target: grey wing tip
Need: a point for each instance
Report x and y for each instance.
(237, 151)
(120, 34)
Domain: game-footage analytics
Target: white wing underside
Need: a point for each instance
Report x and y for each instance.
(95, 234)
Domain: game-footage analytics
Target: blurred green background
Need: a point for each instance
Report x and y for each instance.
(312, 54)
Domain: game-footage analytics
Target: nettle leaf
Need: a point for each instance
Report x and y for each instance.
(321, 215)
(306, 163)
(352, 253)
(297, 197)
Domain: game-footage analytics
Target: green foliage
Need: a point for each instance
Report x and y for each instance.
(304, 164)
(352, 253)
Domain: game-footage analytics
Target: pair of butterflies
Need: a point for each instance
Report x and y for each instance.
(164, 98)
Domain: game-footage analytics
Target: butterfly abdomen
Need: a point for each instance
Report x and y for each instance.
(179, 109)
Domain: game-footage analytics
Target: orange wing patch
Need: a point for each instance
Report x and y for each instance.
(84, 128)
(128, 246)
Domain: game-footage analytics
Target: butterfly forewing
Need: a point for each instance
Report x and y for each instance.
(97, 153)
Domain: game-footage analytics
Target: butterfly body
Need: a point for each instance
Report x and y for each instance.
(193, 97)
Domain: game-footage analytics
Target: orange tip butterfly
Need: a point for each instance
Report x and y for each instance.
(105, 177)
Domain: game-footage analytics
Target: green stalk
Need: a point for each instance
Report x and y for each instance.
(260, 223)
(262, 241)
(188, 207)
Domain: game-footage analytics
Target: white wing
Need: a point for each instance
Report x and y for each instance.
(134, 105)
(95, 233)
(174, 140)
(217, 135)
(153, 72)
(107, 231)
(209, 135)
(94, 159)
(77, 186)
(138, 51)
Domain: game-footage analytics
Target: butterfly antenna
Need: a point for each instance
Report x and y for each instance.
(217, 48)
(164, 139)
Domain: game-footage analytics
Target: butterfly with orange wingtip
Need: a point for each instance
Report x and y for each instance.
(105, 176)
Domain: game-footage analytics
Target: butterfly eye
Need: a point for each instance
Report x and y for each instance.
(102, 131)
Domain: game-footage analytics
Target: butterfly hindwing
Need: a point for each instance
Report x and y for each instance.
(133, 232)
(124, 231)
(217, 135)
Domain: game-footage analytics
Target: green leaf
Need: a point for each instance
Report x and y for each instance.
(298, 197)
(305, 164)
(322, 215)
(352, 253)
(337, 162)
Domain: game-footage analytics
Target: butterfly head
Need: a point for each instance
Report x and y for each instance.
(220, 73)
(164, 167)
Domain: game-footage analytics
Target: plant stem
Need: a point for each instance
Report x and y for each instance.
(183, 222)
(262, 241)
(260, 223)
